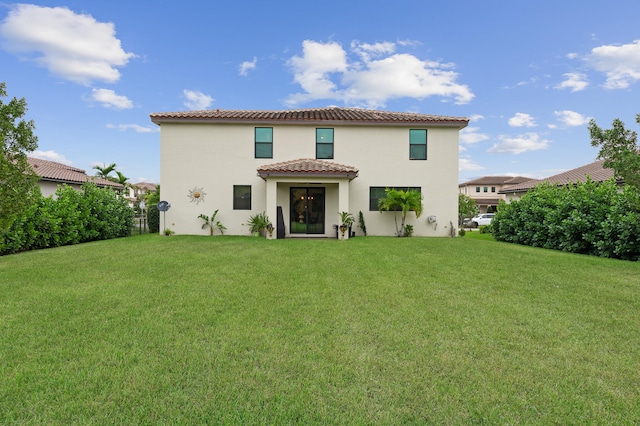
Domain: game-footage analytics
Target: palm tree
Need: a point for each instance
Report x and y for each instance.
(403, 201)
(104, 172)
(121, 179)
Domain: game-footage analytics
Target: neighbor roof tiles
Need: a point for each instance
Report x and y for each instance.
(57, 172)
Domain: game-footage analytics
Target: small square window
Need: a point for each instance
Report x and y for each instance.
(486, 189)
(477, 189)
(493, 189)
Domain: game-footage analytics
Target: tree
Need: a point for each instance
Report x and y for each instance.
(467, 207)
(17, 178)
(398, 200)
(104, 171)
(619, 150)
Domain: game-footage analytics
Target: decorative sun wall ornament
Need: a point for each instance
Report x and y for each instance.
(196, 195)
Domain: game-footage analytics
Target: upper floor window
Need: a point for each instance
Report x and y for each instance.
(486, 189)
(418, 144)
(477, 189)
(264, 142)
(493, 189)
(324, 143)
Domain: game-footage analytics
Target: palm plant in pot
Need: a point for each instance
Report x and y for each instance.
(258, 223)
(346, 220)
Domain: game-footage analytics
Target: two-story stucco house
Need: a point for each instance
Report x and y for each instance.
(303, 167)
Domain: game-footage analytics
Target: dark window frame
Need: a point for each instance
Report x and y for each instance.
(325, 144)
(373, 201)
(261, 143)
(414, 145)
(240, 203)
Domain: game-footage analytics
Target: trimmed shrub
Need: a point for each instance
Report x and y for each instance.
(589, 218)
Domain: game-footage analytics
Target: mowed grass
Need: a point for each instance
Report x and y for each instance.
(241, 330)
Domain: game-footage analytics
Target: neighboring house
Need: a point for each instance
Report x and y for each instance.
(594, 170)
(485, 191)
(137, 191)
(53, 174)
(303, 167)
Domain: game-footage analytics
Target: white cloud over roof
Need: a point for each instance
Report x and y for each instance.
(195, 100)
(620, 63)
(519, 144)
(73, 46)
(110, 99)
(374, 75)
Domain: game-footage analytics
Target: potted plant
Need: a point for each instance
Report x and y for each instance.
(270, 229)
(346, 220)
(258, 223)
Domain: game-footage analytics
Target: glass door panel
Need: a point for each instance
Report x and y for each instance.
(307, 211)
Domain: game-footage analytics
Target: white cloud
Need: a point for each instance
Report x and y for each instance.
(621, 64)
(109, 99)
(73, 46)
(471, 135)
(572, 55)
(519, 144)
(50, 156)
(522, 120)
(466, 164)
(476, 117)
(135, 127)
(248, 65)
(571, 118)
(324, 71)
(195, 100)
(575, 81)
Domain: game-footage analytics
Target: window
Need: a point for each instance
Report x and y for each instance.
(493, 189)
(264, 142)
(324, 143)
(242, 197)
(377, 192)
(477, 189)
(417, 144)
(486, 189)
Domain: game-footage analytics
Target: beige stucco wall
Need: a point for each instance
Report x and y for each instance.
(216, 157)
(49, 188)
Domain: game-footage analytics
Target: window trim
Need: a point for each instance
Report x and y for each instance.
(237, 200)
(418, 144)
(318, 142)
(261, 143)
(371, 198)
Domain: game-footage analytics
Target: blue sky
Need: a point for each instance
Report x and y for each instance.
(529, 74)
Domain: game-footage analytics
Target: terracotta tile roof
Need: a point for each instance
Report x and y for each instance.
(146, 186)
(307, 167)
(594, 170)
(496, 180)
(57, 172)
(312, 115)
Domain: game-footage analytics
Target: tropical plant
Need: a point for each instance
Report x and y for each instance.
(153, 214)
(346, 218)
(398, 200)
(408, 230)
(258, 223)
(212, 223)
(361, 223)
(104, 171)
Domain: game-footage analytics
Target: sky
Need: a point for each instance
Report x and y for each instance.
(529, 74)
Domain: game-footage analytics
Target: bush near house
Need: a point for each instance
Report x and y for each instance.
(72, 217)
(590, 218)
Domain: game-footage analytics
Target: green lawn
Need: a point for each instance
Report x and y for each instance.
(237, 330)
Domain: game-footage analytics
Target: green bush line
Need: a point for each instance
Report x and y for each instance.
(72, 217)
(592, 218)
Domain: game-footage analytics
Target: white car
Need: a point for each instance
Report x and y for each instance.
(482, 219)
